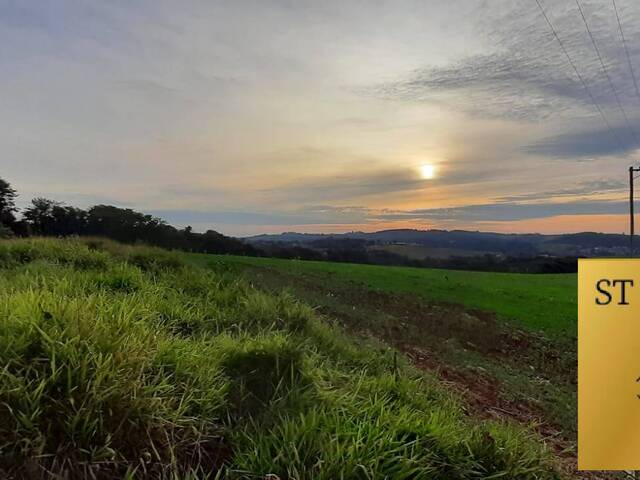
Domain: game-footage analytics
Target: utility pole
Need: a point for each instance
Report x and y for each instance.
(632, 171)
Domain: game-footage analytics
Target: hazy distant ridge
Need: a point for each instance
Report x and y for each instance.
(587, 243)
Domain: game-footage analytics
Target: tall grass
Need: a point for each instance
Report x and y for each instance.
(123, 362)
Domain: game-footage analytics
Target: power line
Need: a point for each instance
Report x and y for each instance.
(575, 69)
(626, 50)
(606, 73)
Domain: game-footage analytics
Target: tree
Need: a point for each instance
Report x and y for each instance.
(124, 224)
(40, 215)
(67, 221)
(48, 217)
(7, 203)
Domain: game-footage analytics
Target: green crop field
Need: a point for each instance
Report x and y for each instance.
(540, 302)
(127, 362)
(508, 341)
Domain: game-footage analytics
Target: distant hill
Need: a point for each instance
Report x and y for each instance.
(461, 241)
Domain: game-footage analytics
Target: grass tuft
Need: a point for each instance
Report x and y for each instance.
(263, 369)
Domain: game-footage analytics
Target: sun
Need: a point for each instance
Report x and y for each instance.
(427, 171)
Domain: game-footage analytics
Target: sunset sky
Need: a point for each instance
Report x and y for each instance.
(324, 116)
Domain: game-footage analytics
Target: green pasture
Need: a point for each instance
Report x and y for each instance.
(545, 302)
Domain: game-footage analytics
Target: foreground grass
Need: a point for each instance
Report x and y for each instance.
(502, 368)
(124, 362)
(543, 302)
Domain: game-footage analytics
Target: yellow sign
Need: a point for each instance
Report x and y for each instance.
(609, 364)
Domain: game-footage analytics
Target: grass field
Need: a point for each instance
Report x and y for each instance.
(541, 302)
(420, 252)
(506, 341)
(126, 362)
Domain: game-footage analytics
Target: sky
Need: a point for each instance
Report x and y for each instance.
(264, 116)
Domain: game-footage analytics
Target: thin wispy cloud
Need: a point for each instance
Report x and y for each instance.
(512, 211)
(587, 143)
(527, 76)
(593, 187)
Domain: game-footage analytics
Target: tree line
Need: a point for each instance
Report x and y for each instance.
(47, 217)
(51, 218)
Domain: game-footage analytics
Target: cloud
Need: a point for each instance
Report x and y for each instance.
(364, 182)
(349, 216)
(586, 143)
(526, 76)
(492, 86)
(510, 211)
(354, 185)
(593, 187)
(309, 215)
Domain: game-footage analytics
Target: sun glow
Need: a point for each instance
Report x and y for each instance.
(427, 171)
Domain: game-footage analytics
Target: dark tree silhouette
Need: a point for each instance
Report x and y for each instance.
(48, 217)
(40, 215)
(7, 204)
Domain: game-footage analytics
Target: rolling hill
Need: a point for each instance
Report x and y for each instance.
(578, 244)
